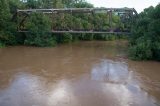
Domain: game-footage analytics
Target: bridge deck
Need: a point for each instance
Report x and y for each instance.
(127, 12)
(87, 32)
(78, 10)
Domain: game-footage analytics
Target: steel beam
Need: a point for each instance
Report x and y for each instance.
(78, 10)
(124, 11)
(86, 32)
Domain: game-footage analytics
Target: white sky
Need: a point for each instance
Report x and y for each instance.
(139, 5)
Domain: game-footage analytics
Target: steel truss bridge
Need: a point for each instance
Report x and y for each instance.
(123, 13)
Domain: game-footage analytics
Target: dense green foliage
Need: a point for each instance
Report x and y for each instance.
(39, 25)
(6, 26)
(145, 40)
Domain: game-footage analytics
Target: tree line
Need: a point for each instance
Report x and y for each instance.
(145, 40)
(144, 43)
(40, 24)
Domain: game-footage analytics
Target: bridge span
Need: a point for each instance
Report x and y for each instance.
(123, 13)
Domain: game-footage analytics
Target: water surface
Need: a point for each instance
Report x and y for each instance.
(79, 74)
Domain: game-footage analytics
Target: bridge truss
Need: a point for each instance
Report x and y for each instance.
(123, 13)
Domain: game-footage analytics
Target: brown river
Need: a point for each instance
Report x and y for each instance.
(94, 73)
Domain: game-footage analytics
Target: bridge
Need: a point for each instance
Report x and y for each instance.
(123, 13)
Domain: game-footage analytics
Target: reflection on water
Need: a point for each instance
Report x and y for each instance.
(82, 74)
(121, 84)
(109, 71)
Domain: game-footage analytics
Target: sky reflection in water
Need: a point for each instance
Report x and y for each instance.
(110, 83)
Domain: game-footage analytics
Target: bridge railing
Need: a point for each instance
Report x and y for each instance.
(125, 12)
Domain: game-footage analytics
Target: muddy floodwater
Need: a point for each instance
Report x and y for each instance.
(95, 73)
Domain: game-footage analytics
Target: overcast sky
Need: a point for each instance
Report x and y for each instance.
(139, 5)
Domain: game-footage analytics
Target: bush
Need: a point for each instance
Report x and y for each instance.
(87, 37)
(7, 28)
(156, 51)
(2, 45)
(75, 37)
(39, 27)
(141, 51)
(64, 38)
(105, 37)
(145, 39)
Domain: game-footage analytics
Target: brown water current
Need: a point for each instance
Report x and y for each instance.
(80, 74)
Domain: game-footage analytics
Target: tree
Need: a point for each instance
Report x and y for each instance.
(39, 28)
(58, 4)
(7, 28)
(145, 39)
(38, 34)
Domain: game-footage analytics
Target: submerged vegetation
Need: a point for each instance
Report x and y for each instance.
(145, 39)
